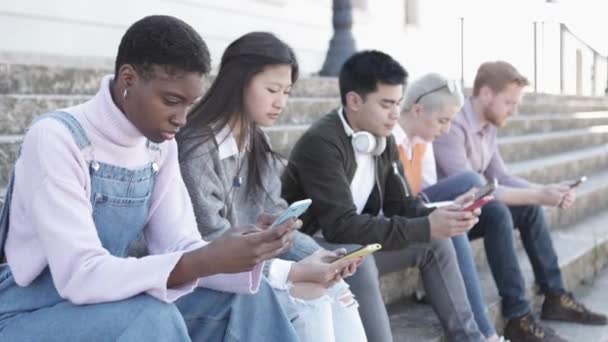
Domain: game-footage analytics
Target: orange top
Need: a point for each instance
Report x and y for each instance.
(413, 167)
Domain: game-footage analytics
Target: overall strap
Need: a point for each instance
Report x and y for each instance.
(81, 140)
(79, 134)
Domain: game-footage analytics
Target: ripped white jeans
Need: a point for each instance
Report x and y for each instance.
(333, 317)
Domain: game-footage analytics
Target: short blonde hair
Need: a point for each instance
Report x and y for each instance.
(497, 76)
(433, 92)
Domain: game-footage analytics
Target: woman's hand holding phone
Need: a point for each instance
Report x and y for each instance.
(239, 249)
(323, 268)
(246, 246)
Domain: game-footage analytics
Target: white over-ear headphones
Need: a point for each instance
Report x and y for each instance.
(363, 142)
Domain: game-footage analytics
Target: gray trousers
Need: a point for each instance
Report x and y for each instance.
(442, 281)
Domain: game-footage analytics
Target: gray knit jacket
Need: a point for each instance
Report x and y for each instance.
(210, 183)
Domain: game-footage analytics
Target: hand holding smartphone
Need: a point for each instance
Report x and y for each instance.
(361, 252)
(295, 210)
(438, 204)
(578, 182)
(480, 198)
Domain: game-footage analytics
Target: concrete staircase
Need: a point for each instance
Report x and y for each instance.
(556, 138)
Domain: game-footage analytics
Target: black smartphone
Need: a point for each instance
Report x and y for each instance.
(578, 182)
(484, 191)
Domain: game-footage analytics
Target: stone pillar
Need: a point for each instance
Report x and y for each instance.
(606, 90)
(594, 74)
(342, 44)
(579, 72)
(562, 51)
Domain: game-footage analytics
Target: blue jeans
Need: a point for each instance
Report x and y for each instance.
(496, 225)
(448, 189)
(204, 315)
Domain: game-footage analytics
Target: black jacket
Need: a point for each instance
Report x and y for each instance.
(321, 167)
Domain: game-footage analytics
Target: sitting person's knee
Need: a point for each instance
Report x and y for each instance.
(498, 214)
(535, 209)
(302, 246)
(472, 179)
(442, 249)
(307, 290)
(155, 310)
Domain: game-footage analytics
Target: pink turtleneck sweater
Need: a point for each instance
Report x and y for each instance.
(51, 215)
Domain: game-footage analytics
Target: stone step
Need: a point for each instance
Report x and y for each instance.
(297, 117)
(563, 166)
(592, 197)
(545, 123)
(549, 103)
(582, 251)
(531, 146)
(513, 148)
(534, 108)
(554, 168)
(414, 322)
(301, 109)
(305, 110)
(39, 79)
(9, 146)
(18, 111)
(284, 137)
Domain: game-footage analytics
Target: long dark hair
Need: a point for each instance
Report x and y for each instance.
(243, 59)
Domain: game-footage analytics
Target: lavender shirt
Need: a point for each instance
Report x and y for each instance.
(471, 146)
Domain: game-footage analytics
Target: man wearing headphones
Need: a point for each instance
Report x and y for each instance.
(348, 164)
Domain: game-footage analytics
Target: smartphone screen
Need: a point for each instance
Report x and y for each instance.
(295, 210)
(485, 190)
(438, 204)
(479, 200)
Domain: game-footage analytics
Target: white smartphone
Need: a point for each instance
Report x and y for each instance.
(295, 210)
(438, 204)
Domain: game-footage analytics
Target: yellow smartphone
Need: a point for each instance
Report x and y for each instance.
(361, 252)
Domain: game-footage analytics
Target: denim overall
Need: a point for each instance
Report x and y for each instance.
(120, 199)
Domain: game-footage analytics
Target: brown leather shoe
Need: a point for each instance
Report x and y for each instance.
(529, 329)
(561, 306)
